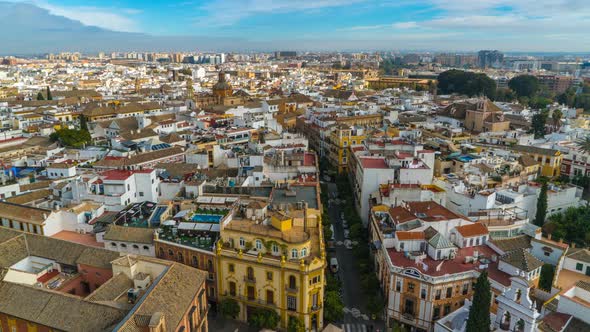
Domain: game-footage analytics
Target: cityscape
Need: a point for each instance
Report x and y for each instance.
(402, 174)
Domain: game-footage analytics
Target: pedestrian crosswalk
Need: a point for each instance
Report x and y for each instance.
(351, 323)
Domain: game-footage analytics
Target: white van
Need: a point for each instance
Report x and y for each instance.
(334, 264)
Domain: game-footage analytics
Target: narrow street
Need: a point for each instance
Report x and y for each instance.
(355, 300)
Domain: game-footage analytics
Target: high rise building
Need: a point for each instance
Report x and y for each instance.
(490, 59)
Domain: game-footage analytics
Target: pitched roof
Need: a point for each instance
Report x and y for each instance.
(56, 310)
(439, 241)
(404, 236)
(172, 295)
(111, 289)
(140, 158)
(514, 243)
(129, 234)
(24, 213)
(475, 229)
(522, 260)
(580, 254)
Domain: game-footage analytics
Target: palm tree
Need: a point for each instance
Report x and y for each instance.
(556, 116)
(584, 144)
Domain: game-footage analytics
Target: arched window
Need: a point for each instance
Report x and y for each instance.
(210, 265)
(123, 245)
(161, 251)
(171, 253)
(136, 247)
(180, 257)
(292, 282)
(294, 253)
(275, 248)
(195, 262)
(250, 273)
(304, 252)
(258, 245)
(113, 244)
(146, 248)
(242, 242)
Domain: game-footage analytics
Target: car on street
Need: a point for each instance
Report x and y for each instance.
(334, 265)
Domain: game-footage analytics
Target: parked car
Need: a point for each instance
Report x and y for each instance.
(334, 264)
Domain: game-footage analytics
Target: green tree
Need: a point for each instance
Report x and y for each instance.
(538, 102)
(584, 144)
(49, 97)
(556, 117)
(541, 205)
(332, 306)
(479, 314)
(295, 325)
(524, 85)
(40, 96)
(83, 122)
(467, 83)
(538, 124)
(546, 278)
(264, 319)
(568, 97)
(506, 95)
(229, 308)
(71, 137)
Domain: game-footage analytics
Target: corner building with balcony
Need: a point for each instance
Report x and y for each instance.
(272, 256)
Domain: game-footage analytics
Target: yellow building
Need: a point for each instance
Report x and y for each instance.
(549, 160)
(275, 260)
(341, 138)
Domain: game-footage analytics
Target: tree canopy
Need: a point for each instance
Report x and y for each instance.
(524, 85)
(229, 308)
(71, 137)
(572, 226)
(467, 83)
(295, 325)
(264, 319)
(541, 206)
(546, 278)
(479, 314)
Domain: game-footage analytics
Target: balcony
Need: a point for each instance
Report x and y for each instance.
(409, 317)
(316, 307)
(291, 289)
(250, 279)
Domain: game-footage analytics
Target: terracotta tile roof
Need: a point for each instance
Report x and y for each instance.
(475, 229)
(111, 289)
(48, 308)
(400, 215)
(514, 243)
(431, 211)
(580, 254)
(30, 196)
(129, 234)
(522, 260)
(404, 236)
(24, 213)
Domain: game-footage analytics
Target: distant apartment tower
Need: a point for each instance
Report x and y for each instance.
(556, 83)
(490, 59)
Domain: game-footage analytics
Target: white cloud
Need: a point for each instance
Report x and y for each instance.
(229, 12)
(405, 25)
(102, 17)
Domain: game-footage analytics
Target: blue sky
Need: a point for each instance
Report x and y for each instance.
(539, 25)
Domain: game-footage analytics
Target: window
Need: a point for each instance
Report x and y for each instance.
(251, 293)
(242, 242)
(232, 288)
(161, 251)
(209, 265)
(275, 248)
(437, 295)
(398, 286)
(447, 309)
(291, 303)
(292, 282)
(304, 252)
(180, 259)
(294, 253)
(436, 313)
(250, 273)
(231, 268)
(423, 293)
(113, 244)
(146, 248)
(401, 245)
(195, 261)
(268, 275)
(579, 266)
(141, 194)
(449, 292)
(465, 289)
(258, 245)
(411, 286)
(123, 245)
(270, 296)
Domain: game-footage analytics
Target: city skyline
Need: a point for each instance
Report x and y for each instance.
(327, 25)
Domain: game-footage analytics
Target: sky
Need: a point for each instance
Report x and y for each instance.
(516, 25)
